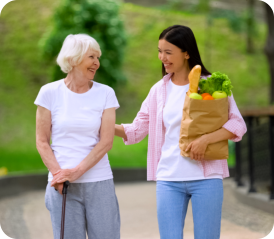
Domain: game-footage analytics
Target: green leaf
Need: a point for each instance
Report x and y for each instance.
(216, 82)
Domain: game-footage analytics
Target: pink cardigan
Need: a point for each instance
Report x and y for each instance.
(149, 120)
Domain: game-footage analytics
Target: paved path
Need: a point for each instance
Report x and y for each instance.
(25, 216)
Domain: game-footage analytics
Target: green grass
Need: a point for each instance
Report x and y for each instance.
(21, 160)
(23, 72)
(29, 160)
(122, 156)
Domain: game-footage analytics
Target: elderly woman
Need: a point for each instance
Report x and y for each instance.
(78, 115)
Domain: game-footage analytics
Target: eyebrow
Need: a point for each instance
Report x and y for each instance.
(165, 50)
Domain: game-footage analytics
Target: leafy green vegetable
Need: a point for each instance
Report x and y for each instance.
(216, 82)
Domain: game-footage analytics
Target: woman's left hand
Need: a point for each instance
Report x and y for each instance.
(197, 148)
(65, 175)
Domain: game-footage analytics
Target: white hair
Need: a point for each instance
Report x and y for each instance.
(73, 50)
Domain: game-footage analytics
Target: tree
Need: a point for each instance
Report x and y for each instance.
(97, 18)
(204, 6)
(269, 47)
(250, 26)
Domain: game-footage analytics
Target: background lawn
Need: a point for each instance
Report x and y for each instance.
(23, 72)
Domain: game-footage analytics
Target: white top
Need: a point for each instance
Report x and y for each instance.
(173, 166)
(76, 121)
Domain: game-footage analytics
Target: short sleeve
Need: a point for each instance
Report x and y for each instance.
(111, 100)
(44, 98)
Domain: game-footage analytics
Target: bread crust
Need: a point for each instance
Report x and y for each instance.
(194, 77)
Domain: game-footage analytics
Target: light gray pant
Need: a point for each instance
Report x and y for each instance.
(91, 208)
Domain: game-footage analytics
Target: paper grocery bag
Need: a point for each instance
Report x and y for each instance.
(202, 117)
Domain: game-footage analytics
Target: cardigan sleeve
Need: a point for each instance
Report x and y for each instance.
(235, 123)
(138, 130)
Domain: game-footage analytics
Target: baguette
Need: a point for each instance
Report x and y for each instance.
(194, 77)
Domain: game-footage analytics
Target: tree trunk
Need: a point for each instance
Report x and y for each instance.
(250, 26)
(269, 47)
(204, 6)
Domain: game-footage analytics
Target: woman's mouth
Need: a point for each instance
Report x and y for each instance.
(92, 70)
(167, 65)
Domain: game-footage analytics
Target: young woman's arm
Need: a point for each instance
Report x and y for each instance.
(235, 123)
(233, 129)
(96, 154)
(138, 130)
(120, 131)
(198, 146)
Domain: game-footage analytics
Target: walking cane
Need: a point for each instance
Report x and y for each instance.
(64, 192)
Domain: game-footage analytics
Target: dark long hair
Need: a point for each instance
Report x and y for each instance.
(183, 37)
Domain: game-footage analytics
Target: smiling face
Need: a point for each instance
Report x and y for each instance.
(172, 57)
(89, 65)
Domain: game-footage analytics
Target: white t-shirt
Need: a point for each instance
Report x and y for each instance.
(173, 166)
(76, 121)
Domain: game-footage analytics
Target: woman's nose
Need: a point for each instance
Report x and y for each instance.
(164, 57)
(161, 56)
(96, 62)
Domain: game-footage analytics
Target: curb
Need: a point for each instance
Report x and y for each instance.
(14, 185)
(256, 200)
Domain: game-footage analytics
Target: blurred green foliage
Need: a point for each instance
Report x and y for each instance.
(236, 21)
(203, 6)
(23, 72)
(231, 158)
(174, 5)
(97, 18)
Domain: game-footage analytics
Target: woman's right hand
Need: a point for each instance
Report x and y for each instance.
(67, 175)
(59, 187)
(120, 131)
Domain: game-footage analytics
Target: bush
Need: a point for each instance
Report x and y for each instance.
(97, 18)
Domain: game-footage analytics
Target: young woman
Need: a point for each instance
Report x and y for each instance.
(179, 178)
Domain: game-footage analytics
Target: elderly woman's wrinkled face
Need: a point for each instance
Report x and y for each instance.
(89, 65)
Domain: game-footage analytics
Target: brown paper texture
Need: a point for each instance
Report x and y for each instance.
(202, 117)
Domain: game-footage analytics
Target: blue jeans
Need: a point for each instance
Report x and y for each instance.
(172, 202)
